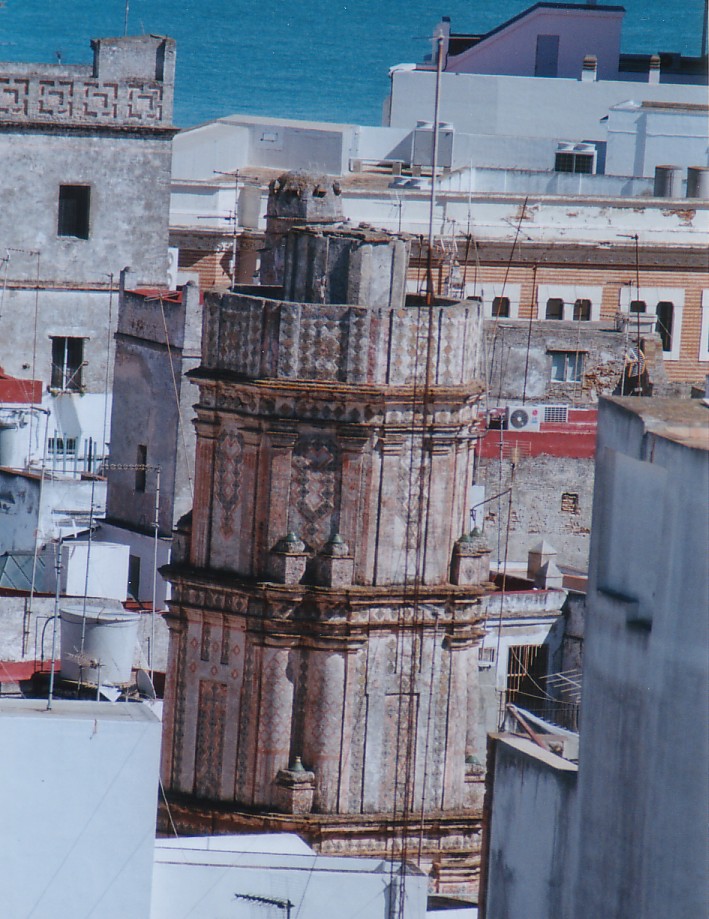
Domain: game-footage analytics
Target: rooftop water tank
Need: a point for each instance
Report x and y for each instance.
(109, 636)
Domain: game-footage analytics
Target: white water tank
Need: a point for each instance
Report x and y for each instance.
(668, 181)
(109, 636)
(698, 182)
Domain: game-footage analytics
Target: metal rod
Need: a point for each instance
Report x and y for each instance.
(151, 660)
(53, 667)
(434, 166)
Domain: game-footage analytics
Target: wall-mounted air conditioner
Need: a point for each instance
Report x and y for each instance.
(523, 417)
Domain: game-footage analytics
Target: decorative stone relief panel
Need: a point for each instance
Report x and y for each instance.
(210, 737)
(315, 486)
(55, 97)
(100, 101)
(82, 101)
(227, 477)
(14, 97)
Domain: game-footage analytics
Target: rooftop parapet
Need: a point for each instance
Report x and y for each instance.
(272, 339)
(131, 84)
(345, 318)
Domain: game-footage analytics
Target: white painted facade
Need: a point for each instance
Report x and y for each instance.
(78, 795)
(215, 876)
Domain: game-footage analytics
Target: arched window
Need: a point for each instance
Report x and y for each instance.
(663, 326)
(582, 310)
(555, 308)
(501, 307)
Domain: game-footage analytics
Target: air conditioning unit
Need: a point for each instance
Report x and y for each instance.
(523, 417)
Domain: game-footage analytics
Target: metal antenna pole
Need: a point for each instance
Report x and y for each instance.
(434, 166)
(53, 667)
(155, 571)
(125, 20)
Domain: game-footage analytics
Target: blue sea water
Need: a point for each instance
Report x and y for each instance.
(314, 59)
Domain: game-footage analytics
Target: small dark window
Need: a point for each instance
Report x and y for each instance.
(663, 326)
(140, 472)
(74, 205)
(582, 310)
(638, 306)
(67, 363)
(501, 307)
(569, 503)
(555, 308)
(134, 576)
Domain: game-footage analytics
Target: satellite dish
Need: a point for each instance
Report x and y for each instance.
(519, 418)
(145, 685)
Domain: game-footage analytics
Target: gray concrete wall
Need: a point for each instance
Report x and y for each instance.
(644, 741)
(152, 407)
(532, 834)
(515, 351)
(107, 128)
(129, 179)
(538, 485)
(61, 312)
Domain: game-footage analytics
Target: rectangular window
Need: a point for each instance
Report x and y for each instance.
(663, 327)
(74, 206)
(501, 307)
(140, 462)
(567, 366)
(67, 363)
(555, 308)
(61, 446)
(134, 576)
(527, 669)
(582, 310)
(638, 306)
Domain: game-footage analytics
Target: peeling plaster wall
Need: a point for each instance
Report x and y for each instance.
(539, 483)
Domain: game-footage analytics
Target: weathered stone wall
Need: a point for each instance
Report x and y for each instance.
(378, 714)
(519, 360)
(131, 83)
(107, 128)
(156, 344)
(327, 434)
(314, 613)
(538, 508)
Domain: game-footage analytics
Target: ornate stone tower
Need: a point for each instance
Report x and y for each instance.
(325, 605)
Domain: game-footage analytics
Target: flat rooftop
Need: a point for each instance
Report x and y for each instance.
(684, 421)
(75, 710)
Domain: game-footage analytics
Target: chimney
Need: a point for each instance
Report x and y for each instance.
(653, 74)
(589, 70)
(538, 556)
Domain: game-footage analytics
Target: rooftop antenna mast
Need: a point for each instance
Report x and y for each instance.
(434, 168)
(125, 19)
